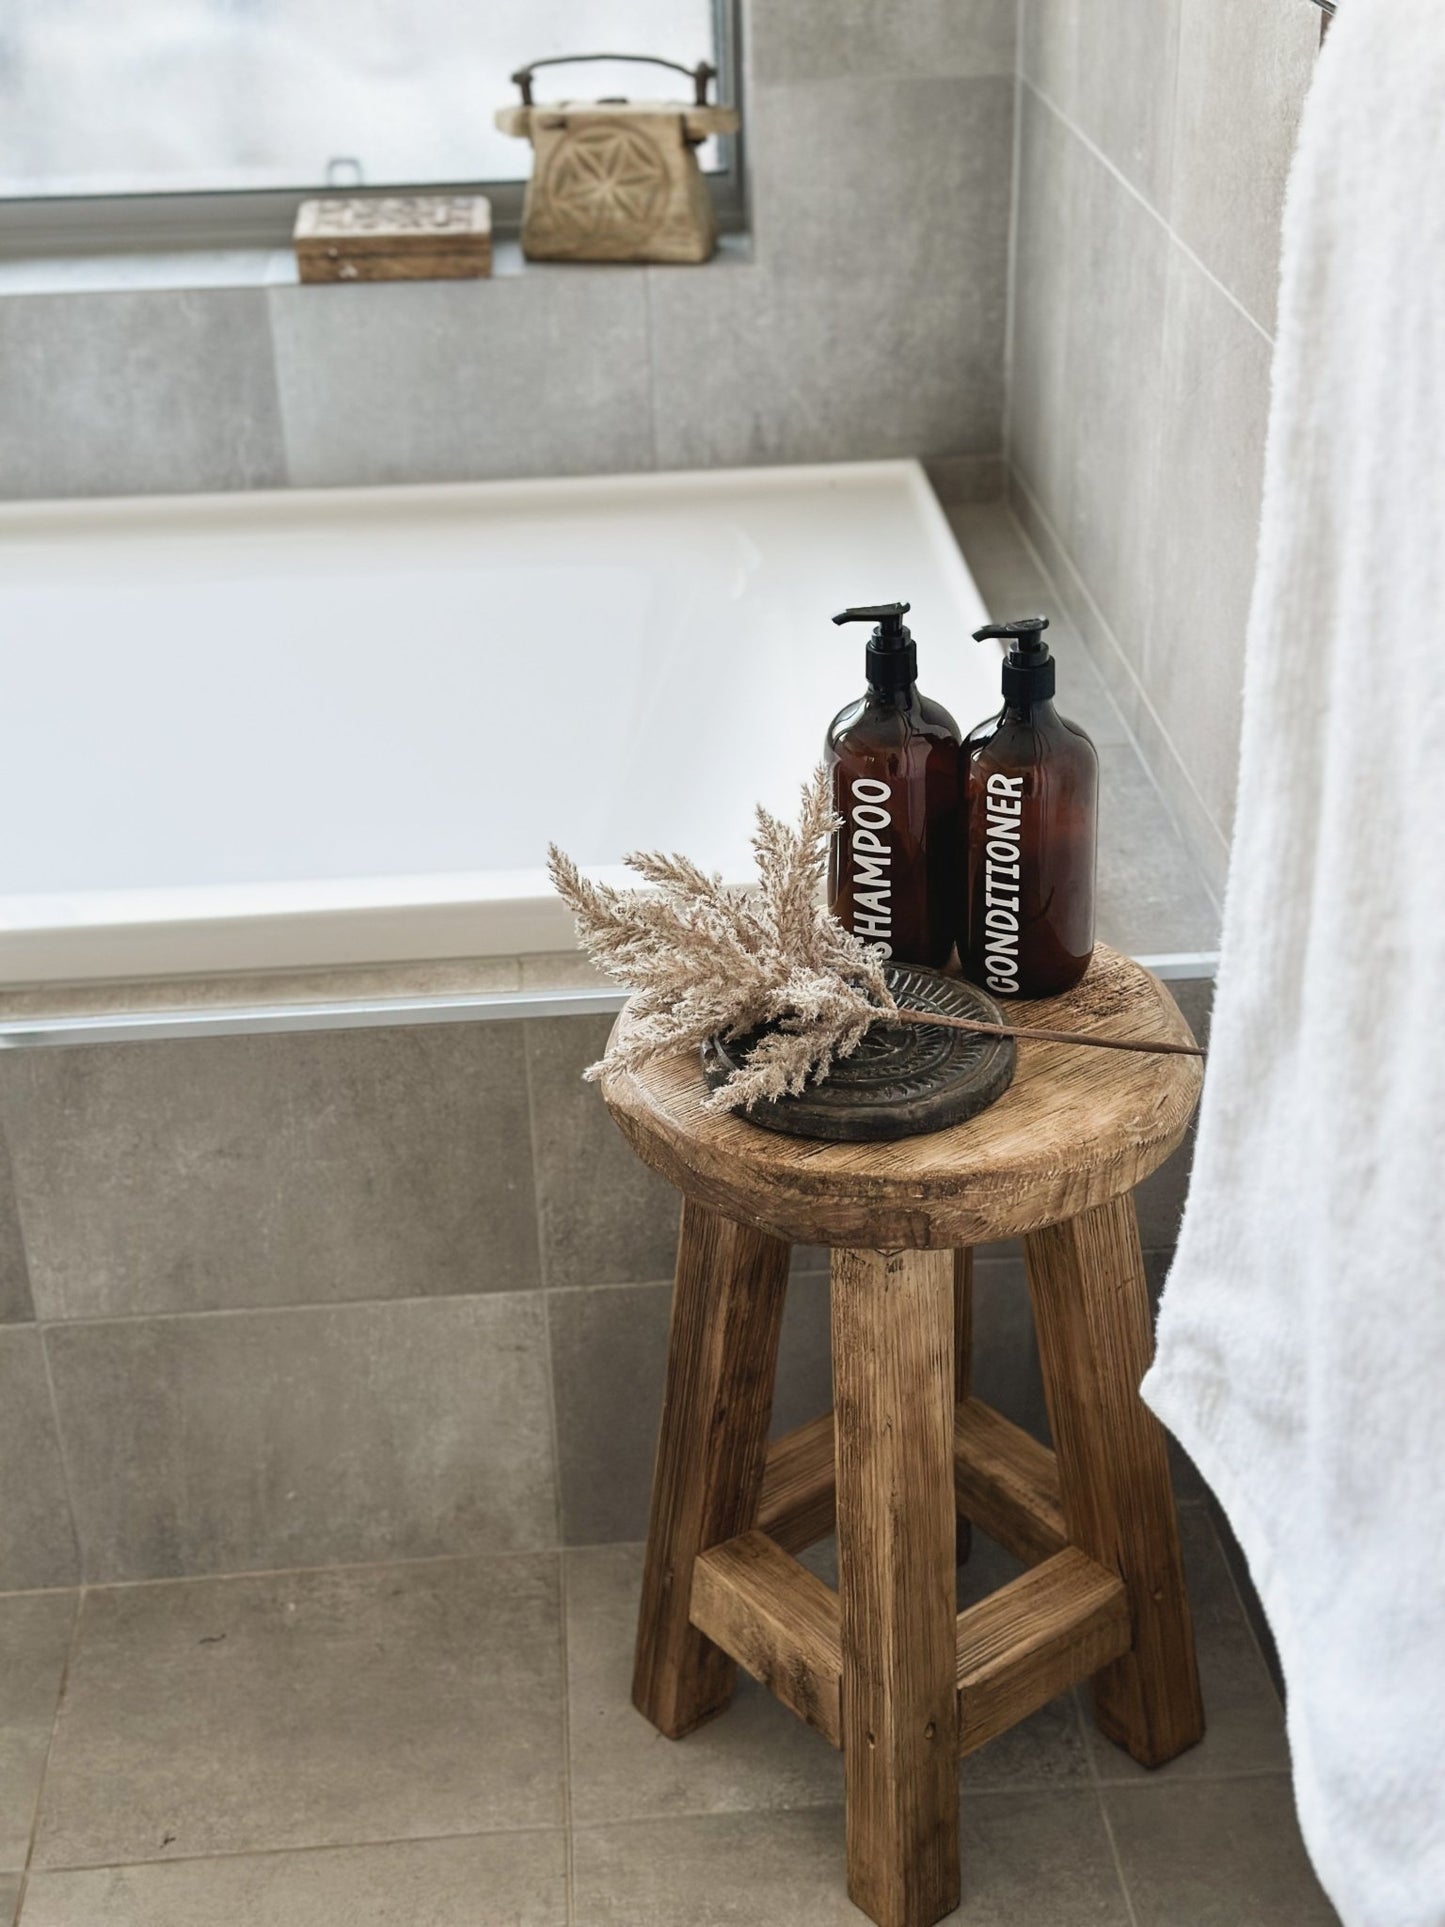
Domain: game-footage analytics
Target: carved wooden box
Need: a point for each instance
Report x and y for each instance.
(395, 237)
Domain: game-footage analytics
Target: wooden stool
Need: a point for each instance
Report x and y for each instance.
(887, 1668)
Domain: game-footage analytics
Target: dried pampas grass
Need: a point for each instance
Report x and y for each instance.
(708, 959)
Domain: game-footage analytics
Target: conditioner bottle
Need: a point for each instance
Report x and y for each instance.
(1031, 781)
(894, 757)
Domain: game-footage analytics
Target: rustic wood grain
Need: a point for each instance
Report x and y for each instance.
(1076, 1128)
(797, 1504)
(893, 1366)
(962, 1374)
(727, 1306)
(394, 237)
(1091, 1311)
(778, 1620)
(1007, 1483)
(1033, 1639)
(617, 180)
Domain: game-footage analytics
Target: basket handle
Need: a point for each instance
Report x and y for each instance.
(699, 75)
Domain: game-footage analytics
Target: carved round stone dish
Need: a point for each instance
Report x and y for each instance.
(902, 1080)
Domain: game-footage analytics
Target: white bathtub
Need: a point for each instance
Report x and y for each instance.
(330, 728)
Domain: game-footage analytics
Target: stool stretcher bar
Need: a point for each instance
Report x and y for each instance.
(1005, 1483)
(1017, 1649)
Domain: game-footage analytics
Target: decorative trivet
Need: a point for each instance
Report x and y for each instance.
(902, 1080)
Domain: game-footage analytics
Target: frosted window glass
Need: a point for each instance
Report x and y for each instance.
(176, 96)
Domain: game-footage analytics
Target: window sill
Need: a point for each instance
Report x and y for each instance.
(206, 268)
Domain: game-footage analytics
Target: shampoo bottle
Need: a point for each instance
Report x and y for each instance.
(894, 757)
(1031, 783)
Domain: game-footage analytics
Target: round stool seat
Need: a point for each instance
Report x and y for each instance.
(1076, 1128)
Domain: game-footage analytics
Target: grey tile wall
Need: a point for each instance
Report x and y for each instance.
(122, 393)
(1155, 142)
(189, 1176)
(309, 1436)
(260, 1347)
(843, 332)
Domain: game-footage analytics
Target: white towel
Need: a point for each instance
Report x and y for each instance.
(1301, 1354)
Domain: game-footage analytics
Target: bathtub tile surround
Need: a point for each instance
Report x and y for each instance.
(609, 1347)
(137, 393)
(603, 1219)
(448, 1679)
(212, 1173)
(1153, 160)
(307, 1436)
(37, 1538)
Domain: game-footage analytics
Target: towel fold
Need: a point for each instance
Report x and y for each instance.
(1301, 1354)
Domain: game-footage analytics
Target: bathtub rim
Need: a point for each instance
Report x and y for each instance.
(196, 930)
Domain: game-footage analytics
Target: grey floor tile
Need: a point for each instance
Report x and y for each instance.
(34, 1640)
(9, 1895)
(308, 1709)
(218, 1172)
(605, 1218)
(755, 1755)
(1244, 1721)
(37, 1543)
(332, 1434)
(15, 1304)
(1045, 1752)
(609, 1359)
(501, 1880)
(1029, 1860)
(1223, 1853)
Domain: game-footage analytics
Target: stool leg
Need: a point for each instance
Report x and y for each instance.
(1091, 1310)
(722, 1353)
(962, 1368)
(893, 1384)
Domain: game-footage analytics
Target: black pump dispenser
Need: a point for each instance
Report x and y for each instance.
(1031, 786)
(892, 659)
(894, 767)
(1028, 668)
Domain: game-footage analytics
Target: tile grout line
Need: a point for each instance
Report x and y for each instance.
(1095, 1780)
(1178, 241)
(554, 1435)
(1011, 269)
(1128, 671)
(314, 1846)
(72, 1645)
(103, 1319)
(41, 1333)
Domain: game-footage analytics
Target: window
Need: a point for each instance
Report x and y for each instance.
(183, 121)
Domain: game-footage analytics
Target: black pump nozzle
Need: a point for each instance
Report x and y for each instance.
(1028, 668)
(892, 660)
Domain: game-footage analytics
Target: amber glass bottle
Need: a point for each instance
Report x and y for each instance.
(1031, 786)
(894, 757)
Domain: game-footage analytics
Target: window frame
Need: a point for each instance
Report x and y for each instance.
(227, 219)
